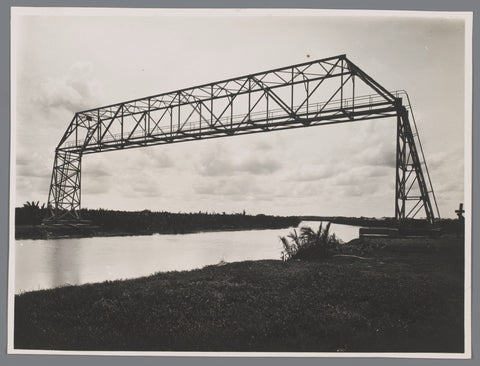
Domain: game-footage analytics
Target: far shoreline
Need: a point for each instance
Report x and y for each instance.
(109, 223)
(36, 232)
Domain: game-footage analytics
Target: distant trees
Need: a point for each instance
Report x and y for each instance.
(178, 223)
(30, 214)
(146, 221)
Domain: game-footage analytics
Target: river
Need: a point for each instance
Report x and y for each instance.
(43, 264)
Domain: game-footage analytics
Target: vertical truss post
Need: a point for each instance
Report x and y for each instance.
(64, 194)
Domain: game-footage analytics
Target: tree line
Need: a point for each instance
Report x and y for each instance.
(32, 213)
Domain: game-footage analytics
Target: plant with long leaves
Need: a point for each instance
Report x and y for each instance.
(309, 245)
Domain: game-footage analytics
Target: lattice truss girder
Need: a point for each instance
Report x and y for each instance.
(316, 92)
(331, 90)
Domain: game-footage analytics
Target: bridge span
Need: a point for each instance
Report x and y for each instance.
(327, 91)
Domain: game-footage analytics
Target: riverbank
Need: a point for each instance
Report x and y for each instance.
(102, 223)
(23, 232)
(407, 226)
(401, 295)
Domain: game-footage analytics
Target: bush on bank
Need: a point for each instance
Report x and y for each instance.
(310, 244)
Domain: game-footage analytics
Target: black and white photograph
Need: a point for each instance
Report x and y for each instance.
(240, 182)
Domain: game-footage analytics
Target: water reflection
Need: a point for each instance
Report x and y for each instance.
(43, 264)
(66, 261)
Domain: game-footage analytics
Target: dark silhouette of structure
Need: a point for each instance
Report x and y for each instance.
(461, 221)
(460, 212)
(327, 91)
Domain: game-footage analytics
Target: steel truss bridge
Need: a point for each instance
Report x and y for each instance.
(321, 92)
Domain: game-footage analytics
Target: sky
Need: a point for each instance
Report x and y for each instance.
(71, 61)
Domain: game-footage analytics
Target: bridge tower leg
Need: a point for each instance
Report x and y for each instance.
(64, 194)
(408, 172)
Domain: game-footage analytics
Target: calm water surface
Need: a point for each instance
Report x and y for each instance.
(41, 264)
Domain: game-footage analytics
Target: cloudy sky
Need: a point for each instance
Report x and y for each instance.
(73, 61)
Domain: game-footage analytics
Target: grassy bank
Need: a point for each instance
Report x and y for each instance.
(405, 295)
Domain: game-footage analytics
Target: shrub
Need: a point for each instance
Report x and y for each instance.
(309, 245)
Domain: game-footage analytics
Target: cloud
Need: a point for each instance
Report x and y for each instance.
(308, 190)
(33, 165)
(75, 91)
(96, 169)
(144, 189)
(22, 160)
(259, 166)
(386, 159)
(215, 165)
(156, 158)
(348, 179)
(355, 191)
(96, 176)
(313, 172)
(98, 185)
(449, 187)
(140, 183)
(263, 145)
(447, 160)
(378, 171)
(237, 186)
(31, 188)
(378, 154)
